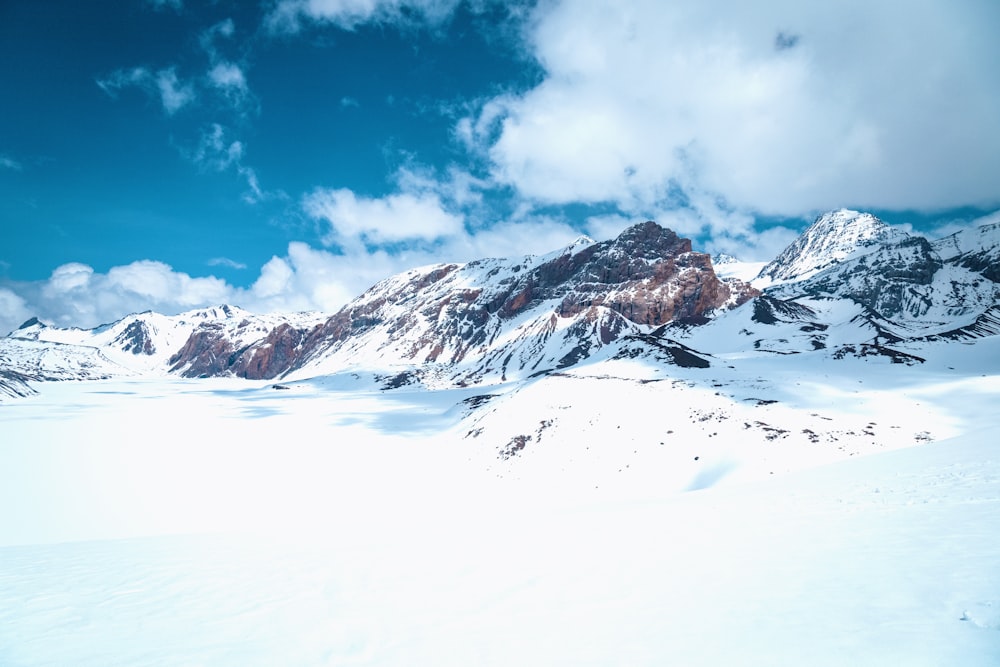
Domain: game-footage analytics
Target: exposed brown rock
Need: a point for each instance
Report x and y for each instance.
(136, 339)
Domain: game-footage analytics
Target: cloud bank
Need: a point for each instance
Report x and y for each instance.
(779, 107)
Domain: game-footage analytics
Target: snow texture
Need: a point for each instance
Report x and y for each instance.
(654, 515)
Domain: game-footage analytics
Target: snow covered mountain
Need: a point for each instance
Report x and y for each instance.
(849, 285)
(832, 238)
(491, 319)
(500, 319)
(208, 341)
(889, 298)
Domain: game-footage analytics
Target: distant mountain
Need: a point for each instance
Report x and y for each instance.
(879, 287)
(832, 238)
(849, 285)
(211, 341)
(976, 249)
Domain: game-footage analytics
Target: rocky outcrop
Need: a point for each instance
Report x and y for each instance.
(207, 352)
(14, 385)
(271, 356)
(136, 339)
(210, 351)
(890, 281)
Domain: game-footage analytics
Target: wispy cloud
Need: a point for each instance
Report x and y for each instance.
(163, 85)
(7, 162)
(290, 16)
(215, 151)
(226, 76)
(226, 262)
(173, 93)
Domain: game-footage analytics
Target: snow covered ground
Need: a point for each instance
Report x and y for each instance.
(220, 522)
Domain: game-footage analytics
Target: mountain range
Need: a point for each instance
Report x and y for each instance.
(850, 284)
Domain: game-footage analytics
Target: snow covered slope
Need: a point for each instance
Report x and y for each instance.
(211, 341)
(337, 523)
(832, 238)
(499, 319)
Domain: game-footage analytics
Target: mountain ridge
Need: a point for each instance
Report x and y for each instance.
(847, 281)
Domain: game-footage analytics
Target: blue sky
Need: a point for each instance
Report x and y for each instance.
(284, 155)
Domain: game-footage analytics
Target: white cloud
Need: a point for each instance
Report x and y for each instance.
(405, 216)
(228, 77)
(68, 278)
(225, 76)
(157, 282)
(948, 227)
(123, 78)
(311, 279)
(215, 151)
(780, 108)
(172, 93)
(304, 279)
(290, 15)
(14, 311)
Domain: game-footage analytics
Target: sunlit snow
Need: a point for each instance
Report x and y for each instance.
(648, 520)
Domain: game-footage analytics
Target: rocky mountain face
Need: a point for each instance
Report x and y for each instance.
(850, 284)
(886, 298)
(508, 317)
(976, 249)
(905, 284)
(211, 341)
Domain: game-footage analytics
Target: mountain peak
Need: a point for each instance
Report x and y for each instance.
(830, 239)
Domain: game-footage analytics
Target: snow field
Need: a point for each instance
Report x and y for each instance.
(217, 522)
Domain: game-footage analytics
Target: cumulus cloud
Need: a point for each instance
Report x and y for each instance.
(164, 85)
(780, 108)
(13, 310)
(354, 220)
(290, 16)
(76, 295)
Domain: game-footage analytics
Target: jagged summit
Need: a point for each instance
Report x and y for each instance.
(833, 237)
